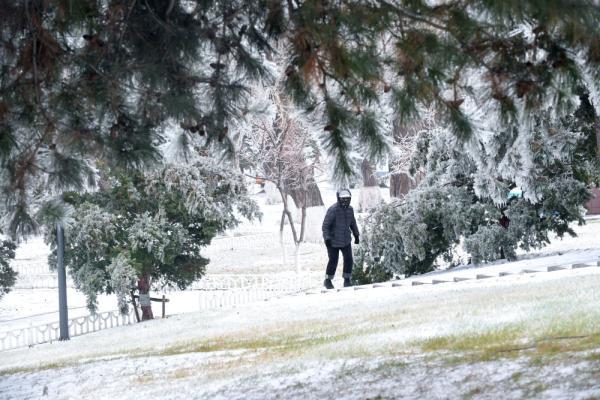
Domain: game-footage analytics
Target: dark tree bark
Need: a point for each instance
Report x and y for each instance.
(400, 184)
(311, 197)
(368, 174)
(597, 126)
(307, 194)
(144, 289)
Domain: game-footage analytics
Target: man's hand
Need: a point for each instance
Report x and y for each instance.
(328, 242)
(356, 241)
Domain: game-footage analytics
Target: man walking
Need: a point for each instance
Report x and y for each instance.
(337, 225)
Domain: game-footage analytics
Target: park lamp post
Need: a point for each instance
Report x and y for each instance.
(63, 312)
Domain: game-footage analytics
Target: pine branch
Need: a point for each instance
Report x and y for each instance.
(414, 17)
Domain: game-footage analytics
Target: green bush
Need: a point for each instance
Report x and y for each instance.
(8, 276)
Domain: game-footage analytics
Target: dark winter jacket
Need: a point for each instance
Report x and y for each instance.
(337, 225)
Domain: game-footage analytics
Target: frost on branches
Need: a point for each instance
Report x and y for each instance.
(147, 230)
(465, 198)
(123, 278)
(8, 276)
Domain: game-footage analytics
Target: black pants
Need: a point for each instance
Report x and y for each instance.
(334, 254)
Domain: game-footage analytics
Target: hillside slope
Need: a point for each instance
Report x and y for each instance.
(519, 336)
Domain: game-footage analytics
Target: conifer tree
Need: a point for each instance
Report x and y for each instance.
(413, 234)
(8, 276)
(484, 65)
(83, 81)
(147, 230)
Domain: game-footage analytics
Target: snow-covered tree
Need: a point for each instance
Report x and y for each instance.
(89, 81)
(8, 276)
(148, 229)
(483, 65)
(281, 150)
(406, 135)
(409, 235)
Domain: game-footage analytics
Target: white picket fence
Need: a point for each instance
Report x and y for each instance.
(216, 291)
(36, 274)
(224, 291)
(38, 266)
(40, 281)
(275, 282)
(214, 299)
(279, 282)
(251, 241)
(207, 300)
(230, 290)
(33, 335)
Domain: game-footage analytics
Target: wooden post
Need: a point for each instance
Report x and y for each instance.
(137, 316)
(163, 306)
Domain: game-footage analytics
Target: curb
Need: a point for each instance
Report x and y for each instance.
(458, 279)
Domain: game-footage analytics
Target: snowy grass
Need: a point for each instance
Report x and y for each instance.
(520, 336)
(516, 337)
(513, 342)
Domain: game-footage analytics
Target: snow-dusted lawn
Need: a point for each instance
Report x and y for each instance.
(521, 336)
(533, 335)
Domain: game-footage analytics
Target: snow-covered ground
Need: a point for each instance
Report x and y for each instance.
(524, 335)
(251, 248)
(519, 336)
(254, 249)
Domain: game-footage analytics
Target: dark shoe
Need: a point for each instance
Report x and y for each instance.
(347, 282)
(328, 284)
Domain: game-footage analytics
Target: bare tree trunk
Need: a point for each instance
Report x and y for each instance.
(297, 239)
(287, 213)
(400, 184)
(301, 239)
(302, 225)
(144, 289)
(281, 241)
(296, 258)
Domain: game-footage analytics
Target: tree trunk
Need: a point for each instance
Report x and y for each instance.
(288, 213)
(368, 174)
(143, 290)
(597, 126)
(302, 224)
(281, 241)
(296, 258)
(311, 197)
(370, 194)
(400, 184)
(297, 238)
(300, 240)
